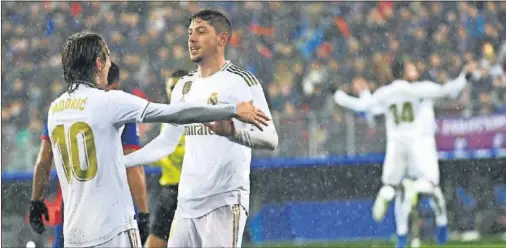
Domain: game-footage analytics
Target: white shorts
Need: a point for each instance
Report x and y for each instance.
(223, 227)
(414, 157)
(129, 238)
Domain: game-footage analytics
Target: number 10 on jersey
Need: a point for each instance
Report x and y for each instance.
(78, 137)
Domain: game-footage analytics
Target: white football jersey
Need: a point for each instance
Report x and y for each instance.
(406, 114)
(215, 170)
(428, 116)
(85, 130)
(408, 107)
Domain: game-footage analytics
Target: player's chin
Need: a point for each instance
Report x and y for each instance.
(196, 58)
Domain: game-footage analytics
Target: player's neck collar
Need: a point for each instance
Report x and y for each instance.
(224, 67)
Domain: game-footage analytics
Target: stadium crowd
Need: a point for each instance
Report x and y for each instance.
(297, 50)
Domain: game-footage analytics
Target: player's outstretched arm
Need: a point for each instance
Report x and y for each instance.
(126, 108)
(427, 89)
(356, 104)
(184, 113)
(161, 146)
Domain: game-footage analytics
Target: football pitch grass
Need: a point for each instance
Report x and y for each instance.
(384, 243)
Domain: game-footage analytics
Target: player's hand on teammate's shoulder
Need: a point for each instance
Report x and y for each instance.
(248, 113)
(222, 128)
(37, 209)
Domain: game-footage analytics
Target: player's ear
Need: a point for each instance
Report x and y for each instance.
(224, 38)
(99, 63)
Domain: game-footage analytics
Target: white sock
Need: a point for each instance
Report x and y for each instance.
(402, 211)
(438, 205)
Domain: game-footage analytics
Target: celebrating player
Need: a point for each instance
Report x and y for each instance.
(411, 149)
(85, 125)
(171, 173)
(136, 178)
(213, 198)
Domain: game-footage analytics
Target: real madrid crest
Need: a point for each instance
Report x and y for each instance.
(186, 88)
(213, 99)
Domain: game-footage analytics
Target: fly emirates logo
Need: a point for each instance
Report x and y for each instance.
(197, 129)
(200, 129)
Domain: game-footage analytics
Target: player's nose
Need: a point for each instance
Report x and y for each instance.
(192, 38)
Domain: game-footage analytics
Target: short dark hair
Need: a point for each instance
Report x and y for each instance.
(179, 74)
(216, 19)
(113, 75)
(79, 54)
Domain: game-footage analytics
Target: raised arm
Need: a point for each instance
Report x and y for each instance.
(427, 89)
(363, 104)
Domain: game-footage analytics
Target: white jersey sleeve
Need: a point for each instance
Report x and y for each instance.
(428, 89)
(251, 89)
(125, 108)
(372, 104)
(377, 103)
(164, 144)
(161, 146)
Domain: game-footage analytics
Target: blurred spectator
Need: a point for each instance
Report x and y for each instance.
(475, 22)
(315, 84)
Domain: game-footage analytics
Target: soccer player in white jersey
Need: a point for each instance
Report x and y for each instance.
(85, 125)
(213, 198)
(411, 149)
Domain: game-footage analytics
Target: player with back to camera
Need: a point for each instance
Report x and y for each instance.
(213, 198)
(411, 149)
(85, 125)
(171, 173)
(136, 178)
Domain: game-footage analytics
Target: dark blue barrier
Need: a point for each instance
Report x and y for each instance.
(310, 221)
(273, 163)
(316, 198)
